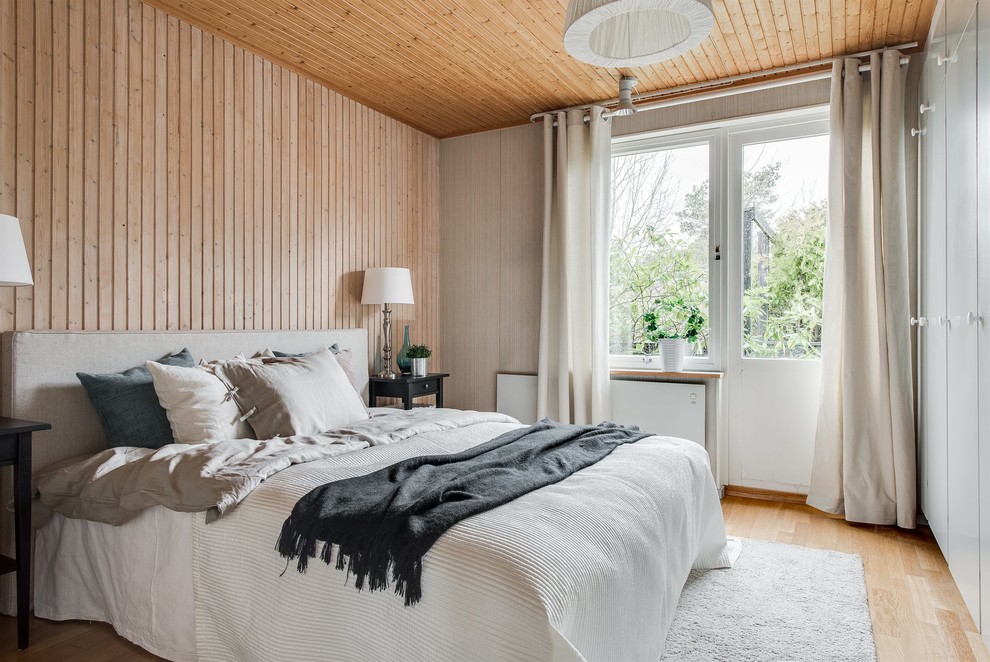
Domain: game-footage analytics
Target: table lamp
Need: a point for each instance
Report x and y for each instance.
(14, 268)
(385, 286)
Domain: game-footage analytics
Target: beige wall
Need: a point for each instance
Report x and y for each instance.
(166, 179)
(491, 228)
(491, 202)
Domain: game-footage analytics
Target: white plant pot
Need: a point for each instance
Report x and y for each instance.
(419, 367)
(672, 350)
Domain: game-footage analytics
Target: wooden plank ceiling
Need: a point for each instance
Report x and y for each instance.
(451, 67)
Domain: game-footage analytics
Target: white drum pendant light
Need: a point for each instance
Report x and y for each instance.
(633, 33)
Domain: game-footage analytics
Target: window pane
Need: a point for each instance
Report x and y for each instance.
(785, 204)
(659, 250)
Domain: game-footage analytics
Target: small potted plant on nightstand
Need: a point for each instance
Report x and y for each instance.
(418, 355)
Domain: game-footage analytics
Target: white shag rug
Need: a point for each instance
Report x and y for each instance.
(778, 602)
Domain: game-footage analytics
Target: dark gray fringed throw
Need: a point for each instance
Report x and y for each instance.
(391, 518)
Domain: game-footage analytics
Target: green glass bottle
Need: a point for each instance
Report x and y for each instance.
(405, 365)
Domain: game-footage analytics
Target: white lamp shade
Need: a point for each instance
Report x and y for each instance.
(387, 285)
(634, 33)
(14, 267)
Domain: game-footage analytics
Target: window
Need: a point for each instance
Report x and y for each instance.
(661, 219)
(677, 201)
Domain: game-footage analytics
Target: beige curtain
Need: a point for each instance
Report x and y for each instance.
(864, 462)
(573, 370)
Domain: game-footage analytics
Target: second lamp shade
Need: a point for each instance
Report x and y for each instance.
(387, 285)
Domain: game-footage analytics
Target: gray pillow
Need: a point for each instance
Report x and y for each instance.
(128, 405)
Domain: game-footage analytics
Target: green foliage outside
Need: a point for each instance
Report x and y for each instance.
(659, 263)
(784, 317)
(651, 256)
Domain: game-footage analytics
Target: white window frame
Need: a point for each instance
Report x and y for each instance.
(723, 184)
(662, 141)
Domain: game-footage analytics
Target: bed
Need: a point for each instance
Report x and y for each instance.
(587, 569)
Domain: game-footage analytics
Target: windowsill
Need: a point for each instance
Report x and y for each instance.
(685, 374)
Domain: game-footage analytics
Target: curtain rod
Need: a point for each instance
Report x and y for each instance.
(696, 91)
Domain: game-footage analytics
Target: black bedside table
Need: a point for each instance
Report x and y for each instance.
(15, 450)
(407, 388)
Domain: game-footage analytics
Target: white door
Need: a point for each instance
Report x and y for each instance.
(778, 189)
(961, 298)
(932, 334)
(983, 330)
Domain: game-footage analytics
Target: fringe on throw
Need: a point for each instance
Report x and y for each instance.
(366, 557)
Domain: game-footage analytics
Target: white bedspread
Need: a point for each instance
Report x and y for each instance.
(588, 569)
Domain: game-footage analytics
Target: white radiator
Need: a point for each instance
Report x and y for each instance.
(673, 410)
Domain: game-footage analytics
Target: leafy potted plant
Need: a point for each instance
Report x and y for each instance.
(418, 354)
(673, 323)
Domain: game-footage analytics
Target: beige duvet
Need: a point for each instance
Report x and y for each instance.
(115, 485)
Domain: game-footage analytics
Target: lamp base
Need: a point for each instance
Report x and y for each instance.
(387, 372)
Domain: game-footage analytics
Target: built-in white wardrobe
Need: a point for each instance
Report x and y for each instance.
(954, 288)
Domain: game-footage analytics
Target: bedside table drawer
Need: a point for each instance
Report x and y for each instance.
(406, 388)
(425, 387)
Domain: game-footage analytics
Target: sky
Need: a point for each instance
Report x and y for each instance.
(804, 173)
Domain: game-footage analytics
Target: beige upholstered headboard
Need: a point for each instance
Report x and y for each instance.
(38, 372)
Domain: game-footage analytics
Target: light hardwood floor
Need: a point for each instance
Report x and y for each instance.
(917, 612)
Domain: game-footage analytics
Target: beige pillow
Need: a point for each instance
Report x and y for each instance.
(303, 395)
(346, 358)
(352, 367)
(210, 365)
(198, 405)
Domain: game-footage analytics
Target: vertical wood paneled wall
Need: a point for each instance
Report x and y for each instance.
(491, 257)
(166, 179)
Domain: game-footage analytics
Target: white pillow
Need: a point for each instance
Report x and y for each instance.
(198, 405)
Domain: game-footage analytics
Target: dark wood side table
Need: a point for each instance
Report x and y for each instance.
(15, 450)
(407, 388)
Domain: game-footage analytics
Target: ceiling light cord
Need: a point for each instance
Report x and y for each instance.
(718, 51)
